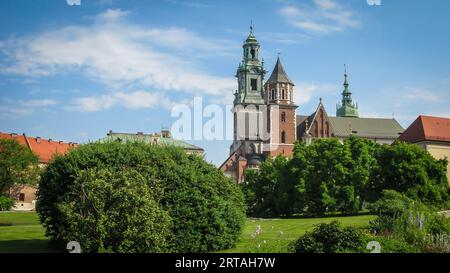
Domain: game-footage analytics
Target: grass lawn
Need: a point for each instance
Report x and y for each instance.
(276, 234)
(22, 232)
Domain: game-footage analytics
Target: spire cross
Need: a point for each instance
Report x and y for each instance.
(345, 76)
(251, 26)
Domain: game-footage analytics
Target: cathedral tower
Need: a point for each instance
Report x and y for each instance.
(279, 96)
(249, 103)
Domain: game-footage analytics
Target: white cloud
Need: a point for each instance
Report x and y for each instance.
(305, 91)
(323, 17)
(38, 103)
(417, 94)
(73, 2)
(8, 113)
(111, 15)
(134, 100)
(12, 109)
(121, 55)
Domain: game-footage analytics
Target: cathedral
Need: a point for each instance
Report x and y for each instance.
(266, 123)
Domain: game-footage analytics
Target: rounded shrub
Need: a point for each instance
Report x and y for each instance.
(6, 203)
(329, 238)
(111, 210)
(203, 209)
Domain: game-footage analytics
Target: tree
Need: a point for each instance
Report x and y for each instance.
(326, 178)
(334, 176)
(18, 165)
(408, 169)
(206, 208)
(264, 188)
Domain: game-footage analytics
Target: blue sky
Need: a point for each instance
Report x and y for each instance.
(73, 72)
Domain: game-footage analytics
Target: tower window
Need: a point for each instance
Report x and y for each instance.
(283, 116)
(283, 137)
(283, 94)
(273, 94)
(254, 84)
(252, 52)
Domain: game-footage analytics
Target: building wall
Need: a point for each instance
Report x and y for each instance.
(276, 146)
(439, 151)
(320, 127)
(25, 196)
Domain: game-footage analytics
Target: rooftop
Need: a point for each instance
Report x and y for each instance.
(45, 149)
(278, 74)
(427, 128)
(163, 138)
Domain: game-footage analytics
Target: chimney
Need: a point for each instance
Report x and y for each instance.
(38, 139)
(49, 140)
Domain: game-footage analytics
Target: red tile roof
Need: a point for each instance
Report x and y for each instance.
(43, 148)
(427, 128)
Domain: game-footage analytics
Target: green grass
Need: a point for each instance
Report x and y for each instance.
(22, 232)
(276, 234)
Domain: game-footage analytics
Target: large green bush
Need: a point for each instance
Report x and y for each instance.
(6, 203)
(111, 210)
(330, 238)
(402, 219)
(205, 208)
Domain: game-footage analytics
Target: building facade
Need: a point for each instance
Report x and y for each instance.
(266, 123)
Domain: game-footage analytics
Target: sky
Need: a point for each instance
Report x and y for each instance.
(72, 70)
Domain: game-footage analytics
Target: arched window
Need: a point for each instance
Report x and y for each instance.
(283, 137)
(253, 53)
(283, 116)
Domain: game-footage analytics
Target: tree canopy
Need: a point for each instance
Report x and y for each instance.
(331, 176)
(18, 165)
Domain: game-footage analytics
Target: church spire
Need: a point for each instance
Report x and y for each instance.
(347, 107)
(278, 74)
